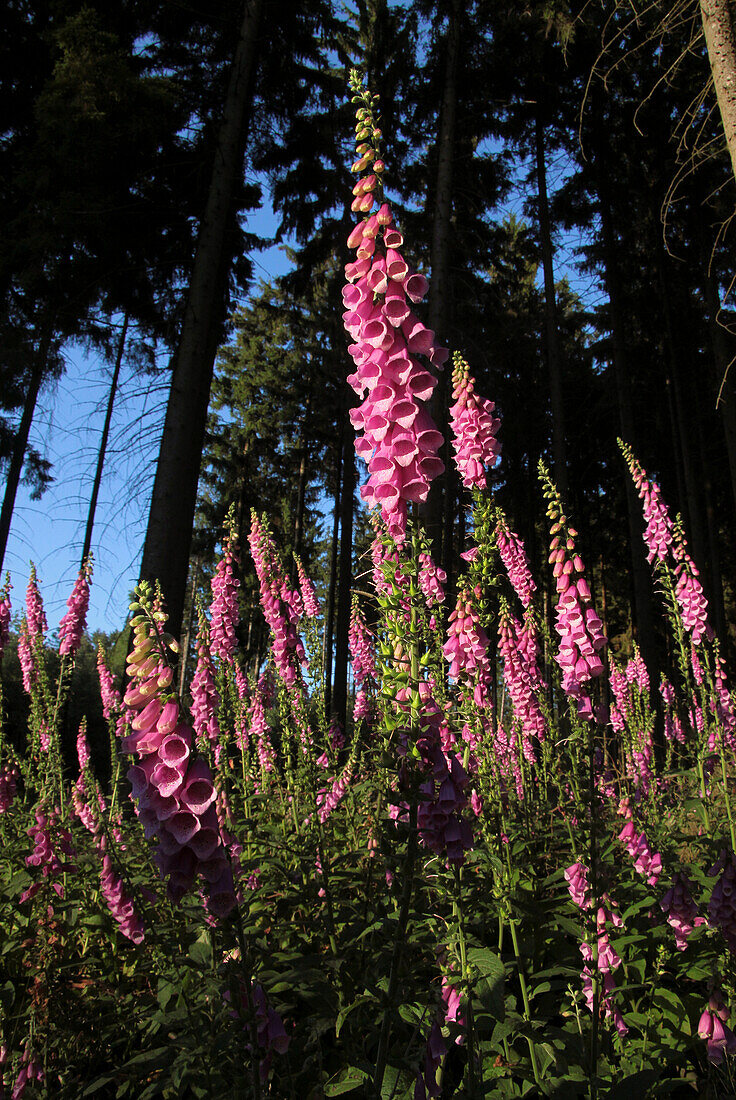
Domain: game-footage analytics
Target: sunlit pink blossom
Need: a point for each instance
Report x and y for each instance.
(224, 606)
(474, 428)
(513, 556)
(71, 627)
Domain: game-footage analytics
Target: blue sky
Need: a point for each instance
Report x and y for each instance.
(66, 430)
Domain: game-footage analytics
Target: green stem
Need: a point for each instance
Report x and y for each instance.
(470, 1038)
(703, 793)
(393, 981)
(247, 973)
(525, 998)
(594, 888)
(727, 798)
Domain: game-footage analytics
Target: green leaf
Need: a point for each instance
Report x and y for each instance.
(201, 951)
(347, 1081)
(343, 1014)
(489, 989)
(636, 1084)
(100, 1083)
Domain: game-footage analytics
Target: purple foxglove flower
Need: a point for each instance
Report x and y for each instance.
(71, 627)
(474, 428)
(513, 556)
(224, 608)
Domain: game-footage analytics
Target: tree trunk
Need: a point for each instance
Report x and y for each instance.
(440, 292)
(103, 443)
(186, 638)
(301, 485)
(170, 521)
(332, 584)
(714, 552)
(685, 407)
(554, 358)
(722, 357)
(21, 443)
(719, 25)
(641, 581)
(345, 576)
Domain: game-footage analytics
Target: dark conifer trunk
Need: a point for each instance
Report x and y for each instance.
(685, 410)
(21, 442)
(170, 522)
(344, 583)
(640, 574)
(703, 418)
(440, 290)
(332, 583)
(103, 442)
(725, 395)
(554, 357)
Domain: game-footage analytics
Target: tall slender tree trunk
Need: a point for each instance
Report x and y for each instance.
(641, 581)
(719, 25)
(21, 442)
(723, 357)
(711, 526)
(554, 357)
(344, 583)
(440, 288)
(170, 521)
(301, 488)
(103, 442)
(186, 639)
(685, 407)
(332, 583)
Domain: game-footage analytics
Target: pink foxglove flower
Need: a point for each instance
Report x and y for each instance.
(279, 605)
(722, 904)
(71, 627)
(332, 796)
(35, 614)
(577, 883)
(32, 629)
(436, 1049)
(224, 606)
(5, 615)
(26, 657)
(175, 793)
(576, 622)
(82, 808)
(646, 862)
(397, 438)
(205, 697)
(681, 911)
(260, 731)
(30, 1071)
(517, 645)
(270, 1032)
(51, 842)
(120, 903)
(689, 593)
(360, 643)
(309, 596)
(474, 428)
(467, 645)
(713, 1027)
(111, 700)
(83, 755)
(431, 579)
(9, 776)
(659, 530)
(513, 556)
